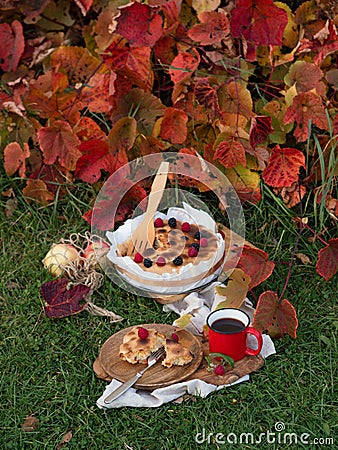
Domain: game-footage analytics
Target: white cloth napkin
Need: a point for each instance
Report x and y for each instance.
(199, 305)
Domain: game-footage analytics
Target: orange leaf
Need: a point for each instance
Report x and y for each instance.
(174, 126)
(327, 264)
(255, 263)
(306, 107)
(122, 135)
(49, 97)
(235, 98)
(230, 153)
(12, 45)
(59, 142)
(14, 158)
(277, 318)
(283, 167)
(37, 190)
(293, 194)
(213, 28)
(140, 24)
(77, 63)
(183, 66)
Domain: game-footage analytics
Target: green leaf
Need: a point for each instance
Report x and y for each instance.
(226, 358)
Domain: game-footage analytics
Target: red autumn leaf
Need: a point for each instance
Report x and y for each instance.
(84, 5)
(283, 167)
(36, 190)
(174, 126)
(321, 48)
(140, 24)
(54, 176)
(61, 301)
(14, 158)
(306, 107)
(87, 129)
(206, 95)
(213, 28)
(101, 216)
(183, 66)
(327, 263)
(255, 263)
(12, 45)
(261, 127)
(95, 95)
(95, 157)
(277, 318)
(230, 153)
(259, 21)
(59, 142)
(132, 63)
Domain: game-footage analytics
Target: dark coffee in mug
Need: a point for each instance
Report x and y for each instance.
(228, 330)
(228, 326)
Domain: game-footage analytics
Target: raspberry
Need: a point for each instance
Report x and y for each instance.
(185, 227)
(175, 337)
(196, 246)
(197, 235)
(147, 262)
(158, 222)
(142, 333)
(204, 242)
(172, 222)
(178, 261)
(192, 252)
(219, 370)
(138, 258)
(161, 261)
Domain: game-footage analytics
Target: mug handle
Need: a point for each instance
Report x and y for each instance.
(258, 336)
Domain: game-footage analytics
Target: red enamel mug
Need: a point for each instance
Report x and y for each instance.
(228, 332)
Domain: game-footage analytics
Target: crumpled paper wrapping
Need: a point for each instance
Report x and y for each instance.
(200, 305)
(185, 273)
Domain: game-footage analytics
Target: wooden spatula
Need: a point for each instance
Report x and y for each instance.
(144, 235)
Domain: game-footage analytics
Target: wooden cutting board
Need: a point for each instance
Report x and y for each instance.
(243, 367)
(109, 364)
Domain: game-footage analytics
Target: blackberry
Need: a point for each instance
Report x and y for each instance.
(196, 246)
(172, 222)
(178, 261)
(197, 235)
(147, 262)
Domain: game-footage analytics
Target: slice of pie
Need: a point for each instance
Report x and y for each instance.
(136, 350)
(176, 354)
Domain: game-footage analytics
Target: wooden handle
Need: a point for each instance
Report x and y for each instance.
(157, 188)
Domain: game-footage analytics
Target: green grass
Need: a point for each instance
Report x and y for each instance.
(46, 365)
